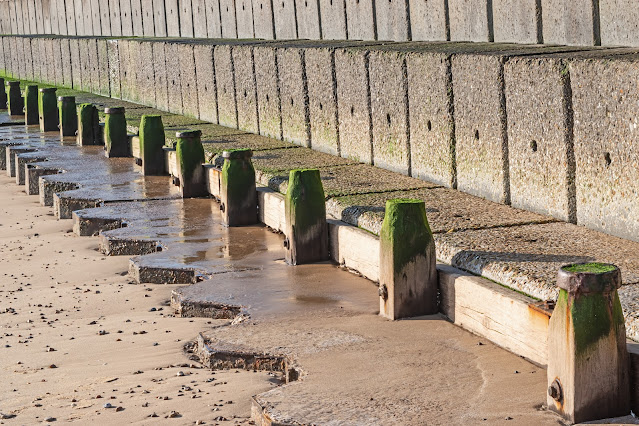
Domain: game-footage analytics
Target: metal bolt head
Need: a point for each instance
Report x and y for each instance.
(286, 243)
(554, 390)
(222, 207)
(383, 291)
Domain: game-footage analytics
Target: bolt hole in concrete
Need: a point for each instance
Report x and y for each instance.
(388, 119)
(352, 110)
(267, 98)
(245, 94)
(429, 126)
(282, 5)
(533, 145)
(261, 6)
(321, 106)
(291, 101)
(476, 135)
(607, 158)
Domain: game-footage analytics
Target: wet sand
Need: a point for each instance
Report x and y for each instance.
(76, 335)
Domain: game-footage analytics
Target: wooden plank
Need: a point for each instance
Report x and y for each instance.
(354, 248)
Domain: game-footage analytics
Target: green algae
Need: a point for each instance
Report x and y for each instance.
(190, 155)
(31, 109)
(68, 116)
(115, 135)
(305, 202)
(152, 140)
(590, 268)
(238, 188)
(48, 110)
(88, 123)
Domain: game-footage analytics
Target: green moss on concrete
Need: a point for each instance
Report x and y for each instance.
(590, 268)
(115, 135)
(190, 154)
(48, 110)
(305, 201)
(405, 231)
(151, 135)
(31, 110)
(238, 176)
(68, 117)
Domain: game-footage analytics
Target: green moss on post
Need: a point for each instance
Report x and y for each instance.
(305, 207)
(587, 355)
(3, 95)
(88, 125)
(48, 109)
(408, 274)
(190, 156)
(68, 116)
(152, 141)
(15, 101)
(116, 138)
(237, 191)
(31, 109)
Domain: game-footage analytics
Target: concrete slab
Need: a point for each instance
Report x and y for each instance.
(78, 15)
(105, 18)
(227, 17)
(127, 19)
(85, 64)
(268, 93)
(127, 76)
(199, 18)
(215, 144)
(322, 99)
(244, 18)
(392, 20)
(58, 72)
(188, 80)
(447, 210)
(102, 71)
(540, 151)
(172, 18)
(470, 20)
(605, 109)
(307, 13)
(148, 18)
(207, 94)
(428, 20)
(76, 64)
(88, 17)
(360, 20)
(136, 17)
(186, 18)
(210, 132)
(95, 18)
(28, 58)
(116, 18)
(618, 22)
(333, 14)
(174, 82)
(213, 21)
(517, 21)
(263, 19)
(62, 18)
(67, 69)
(159, 18)
(245, 88)
(146, 74)
(225, 78)
(113, 52)
(569, 22)
(159, 69)
(285, 20)
(353, 103)
(294, 95)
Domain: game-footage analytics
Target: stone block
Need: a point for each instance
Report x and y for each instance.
(517, 21)
(470, 20)
(113, 54)
(199, 18)
(618, 22)
(389, 110)
(206, 88)
(174, 83)
(188, 80)
(159, 18)
(172, 18)
(392, 20)
(322, 99)
(268, 94)
(244, 19)
(224, 75)
(67, 69)
(186, 18)
(284, 18)
(159, 69)
(146, 74)
(360, 20)
(227, 17)
(148, 18)
(115, 18)
(245, 90)
(308, 19)
(353, 103)
(136, 17)
(126, 17)
(569, 22)
(540, 157)
(432, 131)
(95, 18)
(333, 14)
(105, 18)
(213, 21)
(293, 95)
(428, 20)
(605, 106)
(263, 22)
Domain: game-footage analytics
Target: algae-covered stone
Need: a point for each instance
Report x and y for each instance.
(190, 156)
(151, 142)
(305, 208)
(68, 116)
(88, 125)
(31, 104)
(116, 139)
(48, 109)
(237, 188)
(15, 102)
(407, 264)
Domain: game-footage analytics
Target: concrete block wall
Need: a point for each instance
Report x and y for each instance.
(547, 129)
(563, 22)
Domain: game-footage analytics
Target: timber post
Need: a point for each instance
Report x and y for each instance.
(116, 138)
(306, 228)
(152, 141)
(15, 101)
(3, 95)
(48, 109)
(407, 263)
(237, 188)
(190, 156)
(88, 125)
(31, 108)
(588, 361)
(68, 116)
